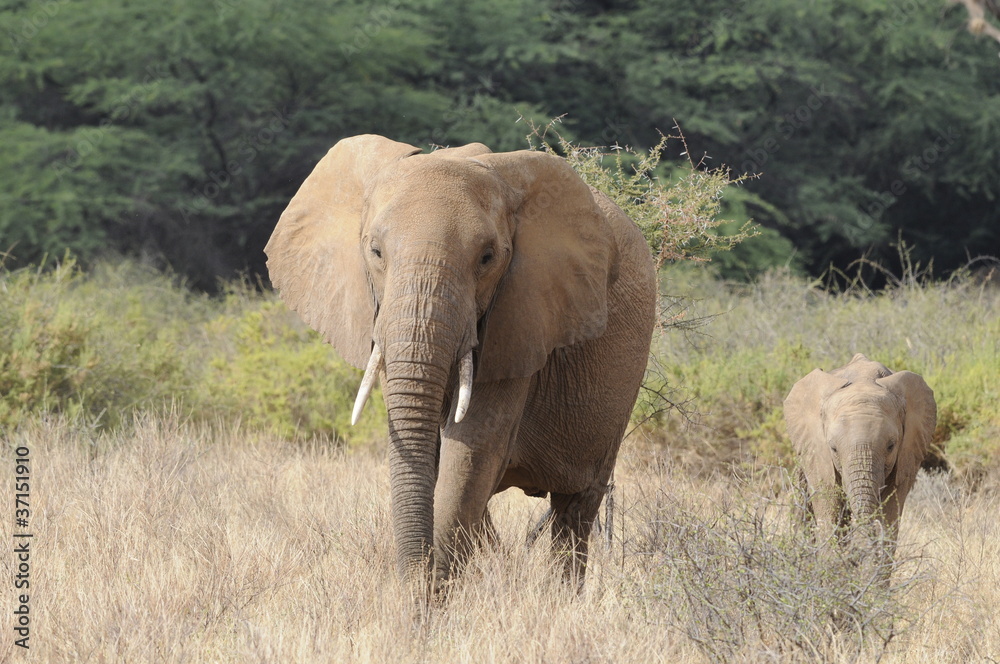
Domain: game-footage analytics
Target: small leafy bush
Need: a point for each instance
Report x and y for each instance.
(679, 214)
(66, 347)
(279, 376)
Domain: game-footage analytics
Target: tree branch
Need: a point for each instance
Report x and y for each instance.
(978, 23)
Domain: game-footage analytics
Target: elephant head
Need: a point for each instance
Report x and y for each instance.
(429, 269)
(865, 430)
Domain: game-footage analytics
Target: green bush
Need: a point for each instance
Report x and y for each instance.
(679, 212)
(103, 344)
(84, 345)
(277, 375)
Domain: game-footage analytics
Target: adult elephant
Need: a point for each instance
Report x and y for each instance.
(507, 309)
(860, 433)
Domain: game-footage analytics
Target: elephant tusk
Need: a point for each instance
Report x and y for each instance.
(367, 383)
(464, 387)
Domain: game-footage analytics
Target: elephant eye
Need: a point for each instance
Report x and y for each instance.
(487, 257)
(376, 251)
(892, 445)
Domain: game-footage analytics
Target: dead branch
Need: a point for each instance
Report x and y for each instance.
(978, 23)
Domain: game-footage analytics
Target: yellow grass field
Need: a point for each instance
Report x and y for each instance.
(180, 542)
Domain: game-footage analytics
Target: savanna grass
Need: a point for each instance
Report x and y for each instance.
(175, 541)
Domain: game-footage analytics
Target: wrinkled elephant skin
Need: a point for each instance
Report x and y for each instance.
(505, 306)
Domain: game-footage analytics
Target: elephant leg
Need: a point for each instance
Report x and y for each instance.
(573, 517)
(474, 455)
(827, 504)
(892, 505)
(485, 531)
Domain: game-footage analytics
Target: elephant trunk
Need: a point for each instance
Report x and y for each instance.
(864, 476)
(420, 343)
(414, 393)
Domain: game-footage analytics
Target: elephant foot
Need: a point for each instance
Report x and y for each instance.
(572, 519)
(452, 557)
(539, 528)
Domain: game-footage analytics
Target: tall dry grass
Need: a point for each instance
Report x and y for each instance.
(174, 542)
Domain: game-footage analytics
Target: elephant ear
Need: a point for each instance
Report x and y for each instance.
(555, 291)
(919, 422)
(314, 256)
(803, 415)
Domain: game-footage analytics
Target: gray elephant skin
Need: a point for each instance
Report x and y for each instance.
(507, 310)
(860, 433)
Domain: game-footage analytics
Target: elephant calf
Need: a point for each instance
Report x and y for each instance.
(860, 433)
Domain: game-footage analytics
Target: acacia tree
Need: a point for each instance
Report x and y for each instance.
(180, 130)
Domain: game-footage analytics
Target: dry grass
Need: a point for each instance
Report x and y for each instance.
(178, 543)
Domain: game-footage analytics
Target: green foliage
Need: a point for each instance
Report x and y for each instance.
(100, 345)
(862, 118)
(64, 348)
(280, 377)
(180, 130)
(764, 250)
